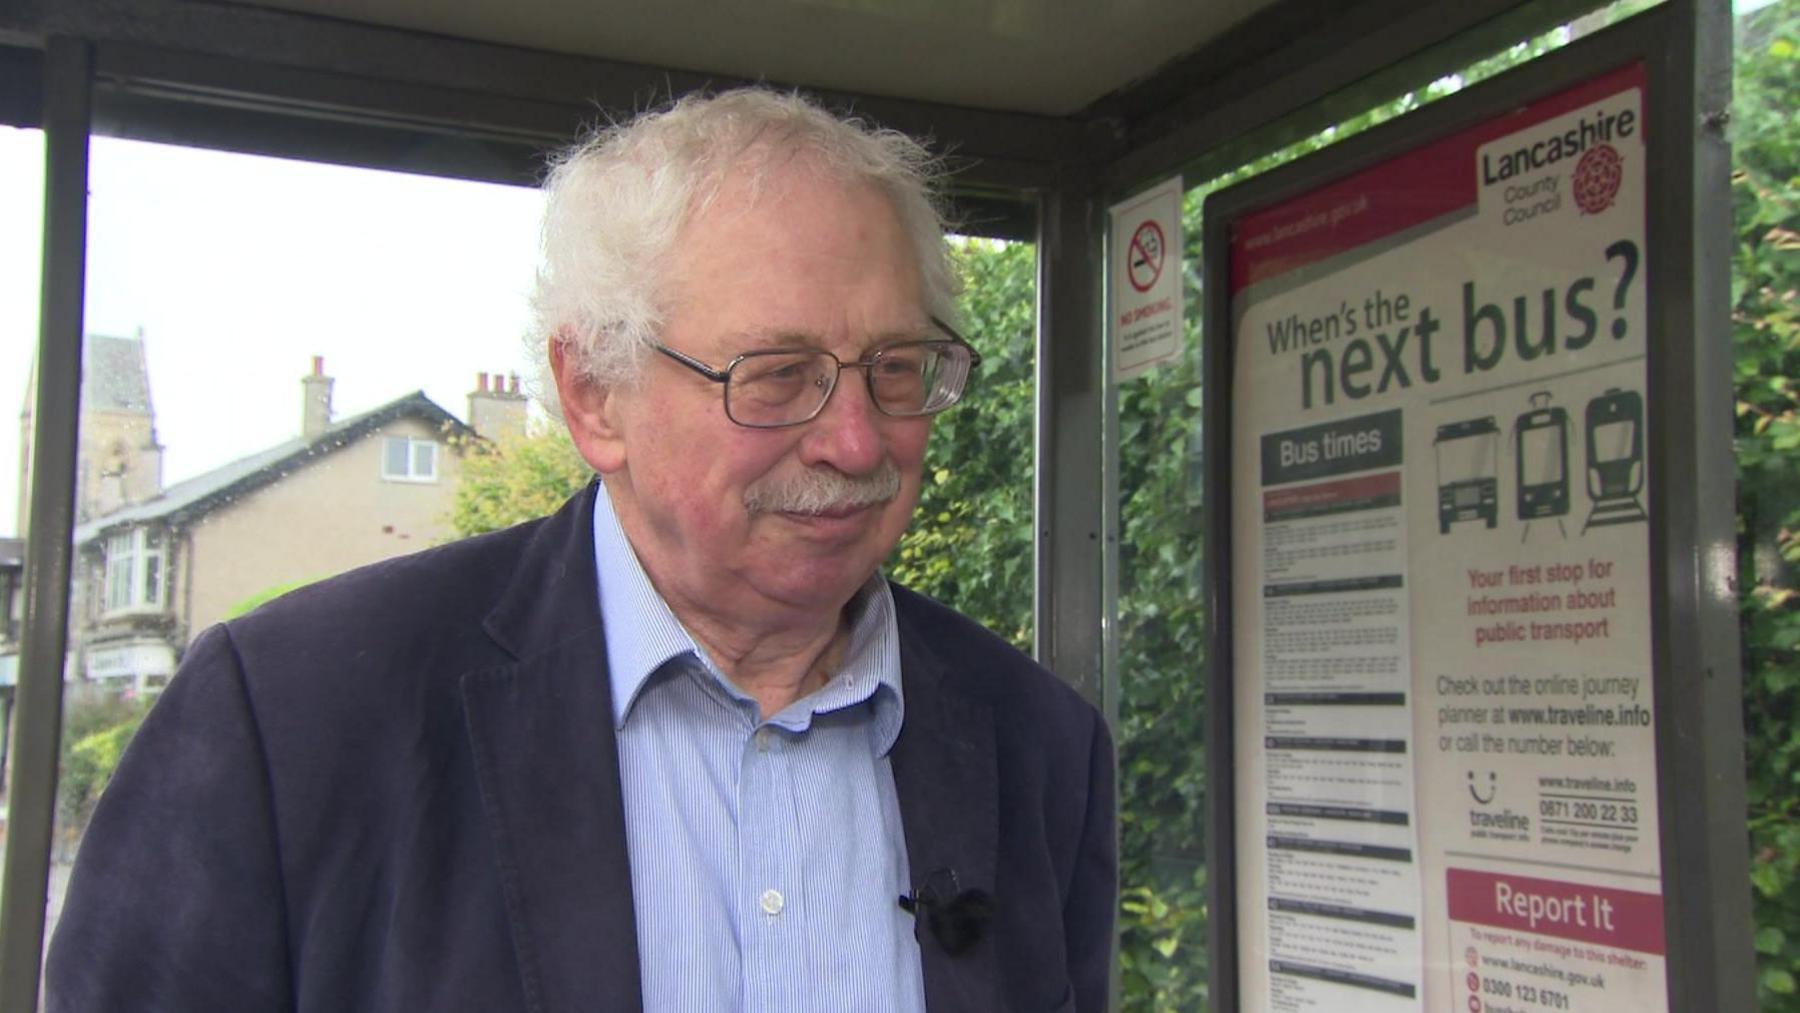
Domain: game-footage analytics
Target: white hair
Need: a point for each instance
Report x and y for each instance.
(616, 201)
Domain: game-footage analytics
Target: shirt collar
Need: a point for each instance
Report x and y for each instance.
(642, 635)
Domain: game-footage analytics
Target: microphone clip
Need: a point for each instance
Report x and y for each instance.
(955, 917)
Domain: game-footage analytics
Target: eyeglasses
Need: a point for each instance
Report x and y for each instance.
(789, 386)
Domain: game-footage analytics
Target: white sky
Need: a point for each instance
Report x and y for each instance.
(239, 269)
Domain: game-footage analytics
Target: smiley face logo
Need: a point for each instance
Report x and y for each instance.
(1489, 782)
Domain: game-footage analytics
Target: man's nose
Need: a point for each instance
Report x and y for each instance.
(847, 434)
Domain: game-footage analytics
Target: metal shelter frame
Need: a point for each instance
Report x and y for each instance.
(265, 81)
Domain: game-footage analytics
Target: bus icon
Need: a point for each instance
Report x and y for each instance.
(1468, 457)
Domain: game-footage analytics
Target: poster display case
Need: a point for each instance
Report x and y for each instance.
(1451, 372)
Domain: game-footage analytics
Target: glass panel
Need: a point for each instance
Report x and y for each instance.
(121, 556)
(1161, 640)
(21, 251)
(171, 356)
(393, 461)
(152, 578)
(251, 369)
(424, 460)
(970, 542)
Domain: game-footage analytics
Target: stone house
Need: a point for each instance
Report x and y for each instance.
(155, 566)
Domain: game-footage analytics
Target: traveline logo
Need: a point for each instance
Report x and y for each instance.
(1598, 127)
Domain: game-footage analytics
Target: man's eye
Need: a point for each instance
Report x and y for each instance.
(775, 371)
(898, 366)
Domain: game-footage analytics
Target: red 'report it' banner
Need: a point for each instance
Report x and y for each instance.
(1579, 912)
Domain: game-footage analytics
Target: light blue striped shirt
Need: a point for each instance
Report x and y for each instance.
(766, 856)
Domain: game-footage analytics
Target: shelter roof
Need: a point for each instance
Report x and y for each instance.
(1048, 57)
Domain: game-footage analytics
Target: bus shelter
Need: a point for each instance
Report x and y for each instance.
(1544, 412)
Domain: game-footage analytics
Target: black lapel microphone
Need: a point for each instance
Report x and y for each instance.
(955, 917)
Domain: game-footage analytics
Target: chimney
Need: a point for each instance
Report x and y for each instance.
(494, 412)
(315, 409)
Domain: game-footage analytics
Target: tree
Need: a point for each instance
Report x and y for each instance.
(514, 480)
(970, 542)
(263, 597)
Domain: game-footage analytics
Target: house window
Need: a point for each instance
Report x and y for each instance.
(134, 570)
(404, 459)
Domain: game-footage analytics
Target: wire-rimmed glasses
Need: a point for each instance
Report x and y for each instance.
(777, 387)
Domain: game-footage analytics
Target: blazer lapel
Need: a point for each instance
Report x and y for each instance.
(947, 783)
(548, 765)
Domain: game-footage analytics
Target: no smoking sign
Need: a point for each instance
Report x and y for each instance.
(1144, 279)
(1144, 258)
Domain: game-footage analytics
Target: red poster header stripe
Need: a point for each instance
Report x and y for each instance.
(1624, 919)
(1328, 493)
(1393, 196)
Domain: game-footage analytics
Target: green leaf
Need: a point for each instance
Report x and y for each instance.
(1778, 980)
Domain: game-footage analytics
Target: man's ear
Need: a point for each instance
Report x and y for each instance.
(589, 410)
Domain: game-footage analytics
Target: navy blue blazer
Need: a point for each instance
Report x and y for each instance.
(398, 790)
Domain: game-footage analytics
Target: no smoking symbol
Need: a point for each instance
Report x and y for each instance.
(1144, 260)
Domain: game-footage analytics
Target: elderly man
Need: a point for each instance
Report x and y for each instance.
(678, 747)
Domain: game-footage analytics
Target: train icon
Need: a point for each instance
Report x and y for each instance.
(1615, 455)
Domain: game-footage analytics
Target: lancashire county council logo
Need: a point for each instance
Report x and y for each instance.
(1597, 178)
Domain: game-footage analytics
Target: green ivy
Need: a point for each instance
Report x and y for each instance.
(970, 544)
(1766, 332)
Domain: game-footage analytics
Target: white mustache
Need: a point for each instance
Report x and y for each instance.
(818, 490)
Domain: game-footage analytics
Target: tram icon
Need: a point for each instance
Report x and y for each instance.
(1541, 459)
(1468, 472)
(1615, 458)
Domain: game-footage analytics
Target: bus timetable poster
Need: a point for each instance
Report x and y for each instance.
(1445, 756)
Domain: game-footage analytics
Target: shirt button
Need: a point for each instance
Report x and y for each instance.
(762, 746)
(772, 902)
